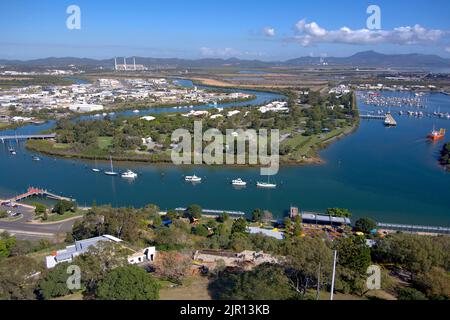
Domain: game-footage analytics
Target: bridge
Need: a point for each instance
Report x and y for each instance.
(31, 192)
(28, 137)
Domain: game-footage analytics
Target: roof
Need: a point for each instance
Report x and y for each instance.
(325, 218)
(82, 246)
(270, 233)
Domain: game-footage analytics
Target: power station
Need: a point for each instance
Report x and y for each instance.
(128, 67)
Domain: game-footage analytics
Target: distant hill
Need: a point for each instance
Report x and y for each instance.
(361, 59)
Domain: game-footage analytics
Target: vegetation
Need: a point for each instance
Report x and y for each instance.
(339, 212)
(63, 206)
(445, 155)
(365, 225)
(128, 283)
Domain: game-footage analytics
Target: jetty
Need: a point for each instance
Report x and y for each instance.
(413, 228)
(216, 213)
(31, 192)
(28, 137)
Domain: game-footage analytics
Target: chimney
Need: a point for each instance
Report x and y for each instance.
(115, 64)
(125, 63)
(134, 63)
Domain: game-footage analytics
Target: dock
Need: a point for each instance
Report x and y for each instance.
(28, 137)
(31, 192)
(414, 228)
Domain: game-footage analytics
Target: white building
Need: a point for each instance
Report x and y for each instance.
(85, 107)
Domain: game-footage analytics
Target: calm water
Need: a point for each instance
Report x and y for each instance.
(390, 174)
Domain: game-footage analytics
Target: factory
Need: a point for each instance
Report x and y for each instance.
(128, 67)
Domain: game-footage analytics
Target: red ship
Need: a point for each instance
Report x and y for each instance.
(436, 135)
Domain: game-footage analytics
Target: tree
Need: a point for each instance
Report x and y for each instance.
(434, 283)
(298, 227)
(405, 293)
(257, 215)
(128, 283)
(265, 282)
(267, 216)
(3, 214)
(63, 206)
(200, 230)
(194, 211)
(338, 212)
(239, 226)
(287, 223)
(365, 225)
(173, 266)
(54, 283)
(7, 243)
(18, 278)
(223, 217)
(240, 242)
(39, 209)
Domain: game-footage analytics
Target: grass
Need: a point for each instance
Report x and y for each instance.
(58, 217)
(104, 142)
(193, 288)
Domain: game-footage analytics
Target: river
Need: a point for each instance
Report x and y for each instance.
(389, 174)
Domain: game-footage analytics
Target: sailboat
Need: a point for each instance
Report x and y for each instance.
(266, 184)
(112, 172)
(96, 169)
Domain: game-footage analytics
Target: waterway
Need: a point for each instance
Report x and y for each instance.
(389, 174)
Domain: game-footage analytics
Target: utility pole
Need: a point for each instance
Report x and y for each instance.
(334, 275)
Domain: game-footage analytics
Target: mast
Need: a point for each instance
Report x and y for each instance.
(334, 275)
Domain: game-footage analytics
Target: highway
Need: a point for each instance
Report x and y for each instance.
(23, 229)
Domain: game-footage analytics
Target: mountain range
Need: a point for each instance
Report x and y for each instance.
(361, 59)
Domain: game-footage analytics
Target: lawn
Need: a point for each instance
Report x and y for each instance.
(104, 142)
(193, 288)
(67, 215)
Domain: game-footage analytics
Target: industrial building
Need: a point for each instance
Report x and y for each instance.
(128, 67)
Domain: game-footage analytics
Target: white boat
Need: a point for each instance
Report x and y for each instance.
(96, 167)
(112, 172)
(13, 153)
(238, 182)
(136, 111)
(266, 185)
(129, 174)
(193, 178)
(35, 158)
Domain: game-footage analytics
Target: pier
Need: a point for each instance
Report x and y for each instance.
(31, 192)
(413, 228)
(216, 213)
(28, 137)
(387, 118)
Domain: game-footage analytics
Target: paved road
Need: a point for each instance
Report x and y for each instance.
(23, 229)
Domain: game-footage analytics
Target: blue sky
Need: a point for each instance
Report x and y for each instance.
(246, 29)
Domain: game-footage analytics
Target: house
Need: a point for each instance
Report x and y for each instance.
(80, 247)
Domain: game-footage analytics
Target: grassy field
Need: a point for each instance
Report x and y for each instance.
(104, 142)
(67, 215)
(193, 288)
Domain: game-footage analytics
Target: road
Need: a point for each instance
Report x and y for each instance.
(24, 230)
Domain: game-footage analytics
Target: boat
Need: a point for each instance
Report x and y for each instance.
(135, 111)
(389, 121)
(13, 153)
(36, 158)
(96, 169)
(112, 172)
(193, 178)
(129, 174)
(436, 135)
(266, 185)
(238, 182)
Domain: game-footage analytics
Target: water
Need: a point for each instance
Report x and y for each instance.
(390, 174)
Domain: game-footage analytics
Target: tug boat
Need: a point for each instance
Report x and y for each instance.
(436, 135)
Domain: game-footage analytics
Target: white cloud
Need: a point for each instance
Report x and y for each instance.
(269, 32)
(447, 49)
(308, 34)
(227, 53)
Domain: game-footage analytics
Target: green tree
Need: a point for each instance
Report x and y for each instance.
(434, 283)
(338, 212)
(7, 243)
(223, 217)
(194, 211)
(265, 282)
(39, 209)
(63, 206)
(128, 283)
(365, 225)
(405, 293)
(18, 278)
(3, 214)
(239, 226)
(200, 230)
(257, 215)
(54, 283)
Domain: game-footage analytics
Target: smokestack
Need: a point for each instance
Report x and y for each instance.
(125, 63)
(134, 63)
(115, 63)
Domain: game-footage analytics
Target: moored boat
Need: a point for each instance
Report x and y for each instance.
(238, 182)
(193, 178)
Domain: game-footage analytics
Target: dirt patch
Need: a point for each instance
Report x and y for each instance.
(193, 288)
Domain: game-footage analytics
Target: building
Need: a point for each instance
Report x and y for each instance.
(84, 107)
(128, 67)
(322, 219)
(80, 247)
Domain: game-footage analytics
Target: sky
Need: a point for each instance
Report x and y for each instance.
(245, 29)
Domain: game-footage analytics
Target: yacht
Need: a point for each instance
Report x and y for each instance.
(238, 182)
(111, 172)
(96, 169)
(36, 158)
(193, 178)
(266, 184)
(136, 111)
(129, 175)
